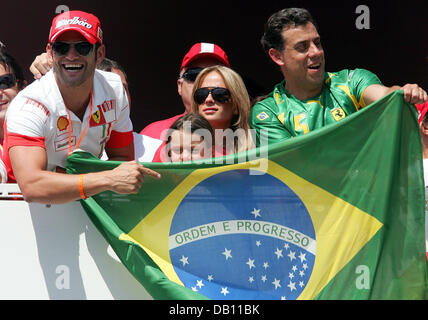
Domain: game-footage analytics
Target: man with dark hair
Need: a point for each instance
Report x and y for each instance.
(310, 98)
(73, 107)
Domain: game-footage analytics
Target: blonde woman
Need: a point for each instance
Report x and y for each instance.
(220, 96)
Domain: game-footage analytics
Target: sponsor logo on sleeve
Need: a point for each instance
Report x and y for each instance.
(36, 108)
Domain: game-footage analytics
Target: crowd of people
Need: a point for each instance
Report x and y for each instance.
(80, 100)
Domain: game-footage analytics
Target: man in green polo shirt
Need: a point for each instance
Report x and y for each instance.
(310, 98)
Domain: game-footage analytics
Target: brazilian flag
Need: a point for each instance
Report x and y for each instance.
(338, 213)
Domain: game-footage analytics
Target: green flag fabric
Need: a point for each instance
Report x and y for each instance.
(336, 214)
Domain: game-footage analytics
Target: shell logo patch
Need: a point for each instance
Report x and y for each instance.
(62, 123)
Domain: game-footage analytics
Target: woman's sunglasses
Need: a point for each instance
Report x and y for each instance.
(62, 48)
(7, 81)
(221, 95)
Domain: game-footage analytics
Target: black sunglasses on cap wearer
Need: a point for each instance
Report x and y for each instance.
(7, 81)
(219, 94)
(62, 48)
(191, 74)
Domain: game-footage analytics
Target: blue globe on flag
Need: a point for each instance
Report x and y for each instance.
(232, 242)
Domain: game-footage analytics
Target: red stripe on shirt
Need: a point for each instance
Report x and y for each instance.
(14, 139)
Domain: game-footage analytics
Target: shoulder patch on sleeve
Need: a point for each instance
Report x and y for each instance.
(262, 116)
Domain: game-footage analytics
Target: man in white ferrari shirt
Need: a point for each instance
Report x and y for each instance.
(73, 107)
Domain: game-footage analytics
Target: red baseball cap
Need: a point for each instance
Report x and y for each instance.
(85, 23)
(422, 110)
(203, 49)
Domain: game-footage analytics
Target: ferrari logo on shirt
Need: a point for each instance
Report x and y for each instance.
(262, 116)
(96, 116)
(338, 113)
(106, 113)
(97, 119)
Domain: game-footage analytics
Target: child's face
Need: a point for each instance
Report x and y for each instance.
(184, 146)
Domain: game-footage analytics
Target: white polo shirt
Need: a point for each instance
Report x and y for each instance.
(37, 116)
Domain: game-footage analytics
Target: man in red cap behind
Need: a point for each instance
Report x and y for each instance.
(73, 107)
(423, 126)
(200, 56)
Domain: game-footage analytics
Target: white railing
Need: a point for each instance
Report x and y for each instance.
(55, 252)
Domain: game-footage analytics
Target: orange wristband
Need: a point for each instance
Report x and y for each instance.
(80, 184)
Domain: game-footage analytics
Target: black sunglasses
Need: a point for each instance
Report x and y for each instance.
(221, 95)
(62, 48)
(7, 81)
(191, 74)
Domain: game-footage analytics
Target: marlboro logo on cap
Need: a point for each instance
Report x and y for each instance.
(85, 23)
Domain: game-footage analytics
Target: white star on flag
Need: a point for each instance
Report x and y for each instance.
(224, 291)
(250, 263)
(265, 265)
(184, 260)
(264, 278)
(227, 253)
(292, 285)
(258, 243)
(302, 257)
(278, 253)
(256, 213)
(199, 284)
(292, 255)
(251, 279)
(210, 277)
(276, 283)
